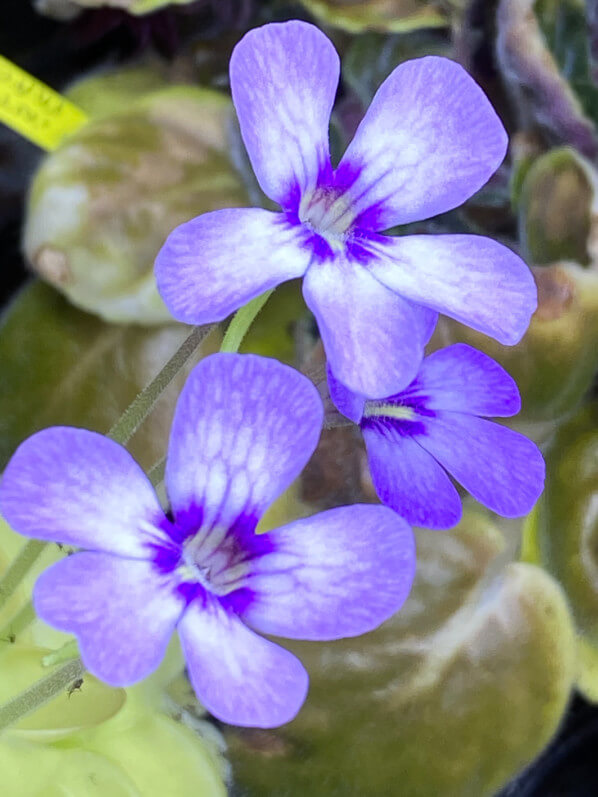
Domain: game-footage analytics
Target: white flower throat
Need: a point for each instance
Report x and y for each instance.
(327, 213)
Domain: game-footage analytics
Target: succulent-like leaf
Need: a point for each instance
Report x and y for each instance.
(555, 363)
(542, 52)
(60, 365)
(558, 208)
(102, 205)
(396, 16)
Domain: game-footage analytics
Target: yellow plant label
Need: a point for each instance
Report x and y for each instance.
(35, 110)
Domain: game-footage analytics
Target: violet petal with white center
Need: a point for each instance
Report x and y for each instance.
(499, 467)
(373, 337)
(473, 279)
(464, 379)
(243, 430)
(239, 676)
(244, 252)
(408, 479)
(326, 579)
(428, 142)
(283, 80)
(122, 611)
(81, 488)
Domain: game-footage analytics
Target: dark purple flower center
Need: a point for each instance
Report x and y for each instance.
(212, 560)
(402, 414)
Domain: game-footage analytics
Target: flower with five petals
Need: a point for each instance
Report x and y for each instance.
(429, 140)
(243, 430)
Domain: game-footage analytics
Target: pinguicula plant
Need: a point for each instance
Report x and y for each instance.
(246, 426)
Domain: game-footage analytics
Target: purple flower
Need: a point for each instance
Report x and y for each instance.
(437, 425)
(243, 430)
(429, 140)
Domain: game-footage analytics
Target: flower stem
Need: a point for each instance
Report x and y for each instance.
(40, 693)
(70, 650)
(242, 320)
(18, 623)
(19, 568)
(139, 409)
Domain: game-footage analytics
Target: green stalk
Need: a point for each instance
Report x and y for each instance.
(19, 568)
(242, 320)
(140, 408)
(40, 693)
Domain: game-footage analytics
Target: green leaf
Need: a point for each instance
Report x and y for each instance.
(568, 525)
(555, 363)
(60, 365)
(395, 16)
(92, 704)
(558, 209)
(102, 205)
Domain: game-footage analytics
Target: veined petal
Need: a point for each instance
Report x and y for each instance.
(244, 428)
(217, 262)
(337, 574)
(463, 379)
(499, 467)
(81, 488)
(408, 479)
(238, 676)
(473, 279)
(122, 611)
(283, 80)
(373, 338)
(429, 140)
(348, 403)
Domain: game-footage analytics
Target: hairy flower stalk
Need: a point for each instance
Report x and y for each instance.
(40, 693)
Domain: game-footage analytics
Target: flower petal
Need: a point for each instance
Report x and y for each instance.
(337, 574)
(373, 338)
(121, 611)
(81, 488)
(348, 403)
(217, 262)
(473, 279)
(244, 428)
(429, 140)
(409, 480)
(283, 80)
(463, 379)
(499, 467)
(238, 676)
